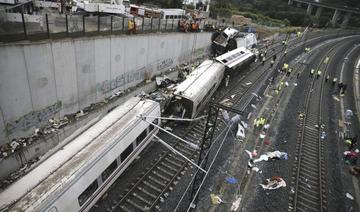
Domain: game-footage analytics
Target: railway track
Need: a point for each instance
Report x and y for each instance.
(308, 173)
(154, 185)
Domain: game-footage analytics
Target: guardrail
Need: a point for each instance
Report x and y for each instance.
(26, 27)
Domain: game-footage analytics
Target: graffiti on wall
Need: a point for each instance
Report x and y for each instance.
(34, 118)
(132, 76)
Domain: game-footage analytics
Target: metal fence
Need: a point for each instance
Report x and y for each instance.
(56, 26)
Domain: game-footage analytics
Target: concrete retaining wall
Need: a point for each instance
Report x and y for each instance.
(50, 79)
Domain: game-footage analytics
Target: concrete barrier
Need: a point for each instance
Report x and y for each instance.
(48, 79)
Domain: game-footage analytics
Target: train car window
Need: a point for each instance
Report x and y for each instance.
(85, 195)
(109, 170)
(141, 137)
(126, 152)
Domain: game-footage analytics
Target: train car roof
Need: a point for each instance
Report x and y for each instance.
(54, 172)
(192, 85)
(235, 57)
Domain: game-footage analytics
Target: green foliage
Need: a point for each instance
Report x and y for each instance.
(221, 8)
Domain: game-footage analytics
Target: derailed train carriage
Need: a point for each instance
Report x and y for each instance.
(230, 39)
(76, 176)
(192, 95)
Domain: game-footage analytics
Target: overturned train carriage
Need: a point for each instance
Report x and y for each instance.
(76, 176)
(191, 95)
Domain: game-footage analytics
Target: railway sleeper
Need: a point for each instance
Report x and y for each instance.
(198, 131)
(135, 205)
(146, 192)
(183, 151)
(306, 165)
(176, 157)
(160, 176)
(161, 183)
(310, 162)
(308, 187)
(309, 175)
(310, 150)
(152, 186)
(165, 171)
(314, 198)
(185, 146)
(191, 137)
(172, 162)
(303, 207)
(168, 166)
(147, 202)
(309, 203)
(124, 208)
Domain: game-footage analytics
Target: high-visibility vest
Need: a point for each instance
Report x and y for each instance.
(335, 79)
(285, 66)
(130, 24)
(312, 71)
(290, 70)
(319, 72)
(326, 60)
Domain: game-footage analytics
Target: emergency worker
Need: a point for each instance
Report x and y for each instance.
(334, 81)
(312, 72)
(318, 74)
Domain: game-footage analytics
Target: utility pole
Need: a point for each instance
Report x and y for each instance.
(206, 143)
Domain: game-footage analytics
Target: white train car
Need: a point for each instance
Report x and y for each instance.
(236, 58)
(75, 177)
(191, 95)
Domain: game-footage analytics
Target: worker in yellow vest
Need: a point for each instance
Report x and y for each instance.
(289, 72)
(285, 67)
(131, 26)
(326, 60)
(318, 74)
(312, 72)
(334, 81)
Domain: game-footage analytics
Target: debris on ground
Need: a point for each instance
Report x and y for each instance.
(351, 157)
(232, 96)
(241, 131)
(231, 180)
(273, 183)
(253, 106)
(348, 114)
(276, 155)
(349, 196)
(336, 98)
(236, 204)
(163, 81)
(323, 135)
(248, 83)
(267, 142)
(215, 199)
(354, 170)
(256, 169)
(262, 135)
(168, 129)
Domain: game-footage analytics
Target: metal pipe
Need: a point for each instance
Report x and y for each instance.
(24, 24)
